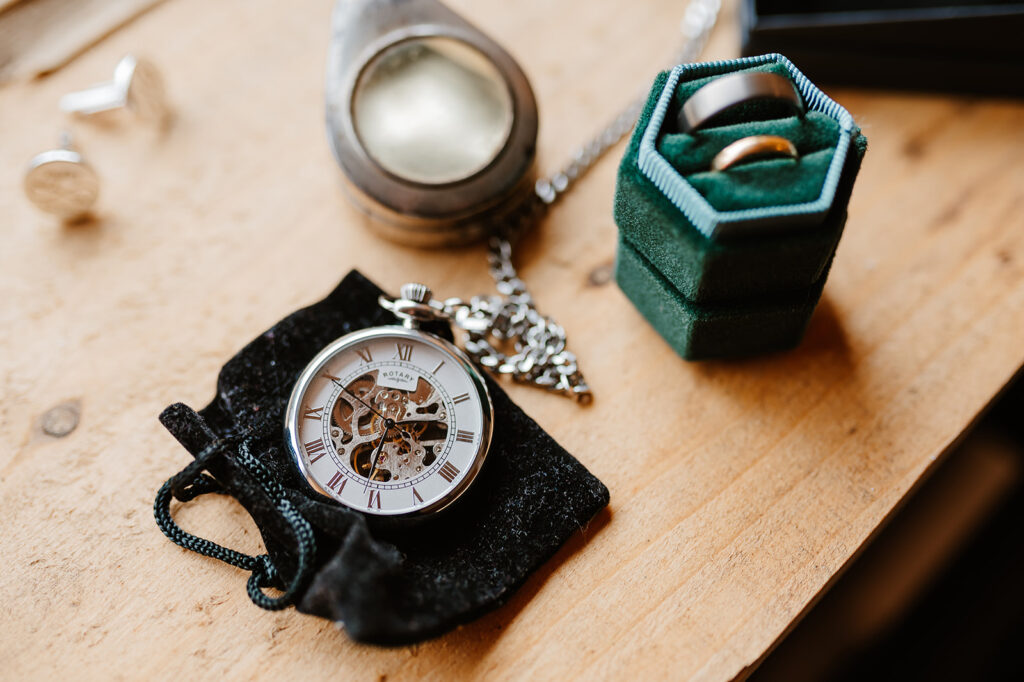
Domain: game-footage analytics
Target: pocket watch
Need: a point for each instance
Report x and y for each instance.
(392, 420)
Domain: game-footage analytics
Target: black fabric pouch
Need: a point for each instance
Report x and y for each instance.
(387, 584)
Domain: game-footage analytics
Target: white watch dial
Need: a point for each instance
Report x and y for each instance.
(390, 422)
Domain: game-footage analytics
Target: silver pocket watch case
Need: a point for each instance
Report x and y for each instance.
(432, 122)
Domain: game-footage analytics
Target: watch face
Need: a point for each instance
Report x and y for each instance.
(390, 421)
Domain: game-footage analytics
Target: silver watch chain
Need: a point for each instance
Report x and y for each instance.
(504, 332)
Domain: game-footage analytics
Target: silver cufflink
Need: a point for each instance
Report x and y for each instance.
(137, 86)
(61, 182)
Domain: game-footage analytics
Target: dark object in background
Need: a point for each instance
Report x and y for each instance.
(946, 45)
(937, 594)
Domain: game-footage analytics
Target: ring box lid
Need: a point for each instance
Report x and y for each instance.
(708, 220)
(779, 245)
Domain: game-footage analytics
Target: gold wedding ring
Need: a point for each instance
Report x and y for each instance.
(732, 90)
(753, 147)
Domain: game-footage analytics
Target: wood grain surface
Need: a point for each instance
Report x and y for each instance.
(40, 36)
(739, 489)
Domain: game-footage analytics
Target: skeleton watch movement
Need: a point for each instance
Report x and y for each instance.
(391, 420)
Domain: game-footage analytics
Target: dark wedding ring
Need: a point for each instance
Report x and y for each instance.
(749, 148)
(737, 88)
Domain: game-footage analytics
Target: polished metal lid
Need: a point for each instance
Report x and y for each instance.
(433, 123)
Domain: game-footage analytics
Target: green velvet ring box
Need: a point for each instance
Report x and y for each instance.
(733, 262)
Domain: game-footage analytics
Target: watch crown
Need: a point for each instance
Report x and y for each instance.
(417, 293)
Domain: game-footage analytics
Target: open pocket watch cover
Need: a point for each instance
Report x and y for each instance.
(388, 498)
(433, 123)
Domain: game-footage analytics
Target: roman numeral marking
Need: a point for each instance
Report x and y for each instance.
(460, 398)
(416, 497)
(337, 482)
(331, 377)
(317, 448)
(374, 495)
(314, 413)
(448, 471)
(365, 354)
(464, 436)
(438, 368)
(404, 352)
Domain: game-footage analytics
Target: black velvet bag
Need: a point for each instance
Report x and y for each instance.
(387, 585)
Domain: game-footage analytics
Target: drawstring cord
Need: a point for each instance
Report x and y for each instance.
(192, 481)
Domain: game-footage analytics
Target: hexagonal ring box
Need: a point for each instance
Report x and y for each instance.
(729, 263)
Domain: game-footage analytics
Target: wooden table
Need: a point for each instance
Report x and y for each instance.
(725, 524)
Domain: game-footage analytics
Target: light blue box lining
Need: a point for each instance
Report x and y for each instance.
(709, 221)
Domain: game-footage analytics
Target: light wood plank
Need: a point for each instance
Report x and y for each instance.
(40, 36)
(739, 490)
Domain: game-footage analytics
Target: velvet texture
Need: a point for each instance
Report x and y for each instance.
(767, 182)
(708, 270)
(389, 584)
(704, 331)
(731, 295)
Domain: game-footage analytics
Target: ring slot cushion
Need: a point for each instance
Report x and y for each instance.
(387, 583)
(733, 262)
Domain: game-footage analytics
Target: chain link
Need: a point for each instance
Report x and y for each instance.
(505, 333)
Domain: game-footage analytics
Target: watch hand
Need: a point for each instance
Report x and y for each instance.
(376, 453)
(361, 401)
